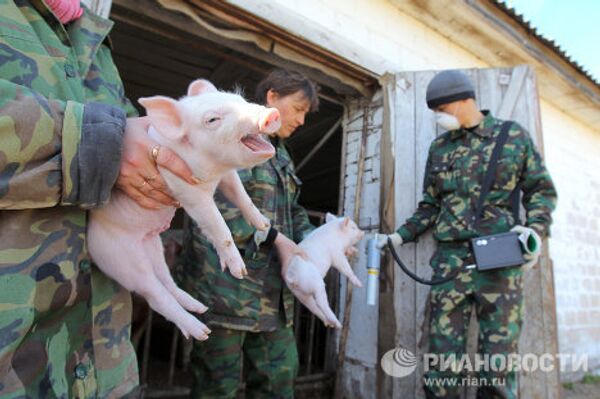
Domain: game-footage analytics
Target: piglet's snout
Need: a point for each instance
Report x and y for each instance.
(269, 121)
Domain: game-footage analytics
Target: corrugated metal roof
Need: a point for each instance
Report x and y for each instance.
(552, 44)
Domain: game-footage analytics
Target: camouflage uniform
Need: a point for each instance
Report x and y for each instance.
(455, 169)
(254, 314)
(64, 326)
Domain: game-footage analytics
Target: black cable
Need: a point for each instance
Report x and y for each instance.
(418, 279)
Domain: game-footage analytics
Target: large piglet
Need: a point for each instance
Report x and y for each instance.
(215, 133)
(325, 247)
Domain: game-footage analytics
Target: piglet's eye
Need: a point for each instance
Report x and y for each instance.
(213, 119)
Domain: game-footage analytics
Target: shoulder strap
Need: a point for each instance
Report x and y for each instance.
(491, 172)
(515, 201)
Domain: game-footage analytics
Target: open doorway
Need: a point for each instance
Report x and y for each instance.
(152, 63)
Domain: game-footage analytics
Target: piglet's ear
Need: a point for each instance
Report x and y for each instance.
(346, 222)
(329, 217)
(200, 86)
(164, 116)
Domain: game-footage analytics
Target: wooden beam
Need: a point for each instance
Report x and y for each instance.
(514, 91)
(150, 16)
(298, 44)
(227, 71)
(320, 144)
(386, 328)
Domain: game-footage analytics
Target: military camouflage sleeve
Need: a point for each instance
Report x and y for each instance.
(427, 210)
(301, 223)
(539, 194)
(40, 140)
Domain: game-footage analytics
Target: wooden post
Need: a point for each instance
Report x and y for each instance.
(339, 390)
(387, 318)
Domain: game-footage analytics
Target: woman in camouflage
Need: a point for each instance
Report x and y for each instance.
(254, 316)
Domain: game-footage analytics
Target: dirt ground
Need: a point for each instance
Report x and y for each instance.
(580, 390)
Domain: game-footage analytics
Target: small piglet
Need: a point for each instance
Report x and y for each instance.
(215, 133)
(326, 246)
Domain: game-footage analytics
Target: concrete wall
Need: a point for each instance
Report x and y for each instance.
(377, 35)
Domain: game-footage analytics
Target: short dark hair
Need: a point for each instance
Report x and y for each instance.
(284, 83)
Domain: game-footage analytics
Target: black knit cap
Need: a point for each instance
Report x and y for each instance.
(448, 86)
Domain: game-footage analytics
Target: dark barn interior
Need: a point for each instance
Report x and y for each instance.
(155, 59)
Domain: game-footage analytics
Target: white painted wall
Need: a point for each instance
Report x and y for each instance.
(573, 158)
(378, 36)
(373, 33)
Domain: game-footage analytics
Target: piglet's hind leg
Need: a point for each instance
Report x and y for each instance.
(161, 300)
(155, 251)
(309, 301)
(323, 304)
(124, 259)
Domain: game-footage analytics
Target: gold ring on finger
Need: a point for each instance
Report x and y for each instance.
(143, 184)
(154, 152)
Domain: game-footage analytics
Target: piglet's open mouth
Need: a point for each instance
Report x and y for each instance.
(257, 144)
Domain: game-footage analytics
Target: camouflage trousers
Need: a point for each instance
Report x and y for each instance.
(270, 364)
(497, 299)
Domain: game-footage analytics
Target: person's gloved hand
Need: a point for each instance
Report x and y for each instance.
(531, 244)
(383, 239)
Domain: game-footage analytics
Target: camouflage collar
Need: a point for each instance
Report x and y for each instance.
(51, 20)
(282, 156)
(87, 34)
(84, 35)
(485, 128)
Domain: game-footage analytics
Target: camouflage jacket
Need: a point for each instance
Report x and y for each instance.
(254, 303)
(64, 326)
(455, 169)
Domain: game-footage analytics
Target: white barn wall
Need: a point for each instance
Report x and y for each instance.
(373, 33)
(377, 35)
(573, 158)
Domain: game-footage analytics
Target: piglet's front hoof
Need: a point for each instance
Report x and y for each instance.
(236, 267)
(260, 222)
(354, 280)
(192, 327)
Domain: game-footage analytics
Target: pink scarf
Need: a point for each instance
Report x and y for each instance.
(65, 10)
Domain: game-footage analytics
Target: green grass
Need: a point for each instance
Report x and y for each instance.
(591, 379)
(569, 385)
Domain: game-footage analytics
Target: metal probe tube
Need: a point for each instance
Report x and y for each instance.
(373, 266)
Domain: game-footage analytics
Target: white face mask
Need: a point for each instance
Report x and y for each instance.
(447, 121)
